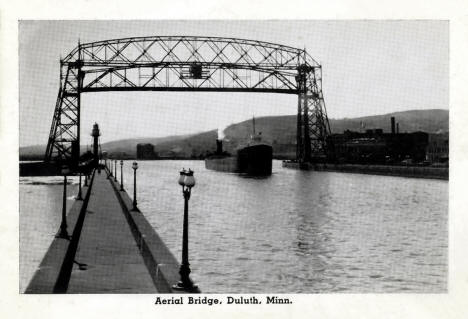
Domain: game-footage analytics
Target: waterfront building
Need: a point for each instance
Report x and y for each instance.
(146, 151)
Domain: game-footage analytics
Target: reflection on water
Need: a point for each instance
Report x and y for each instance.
(298, 231)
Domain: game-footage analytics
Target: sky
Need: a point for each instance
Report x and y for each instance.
(369, 67)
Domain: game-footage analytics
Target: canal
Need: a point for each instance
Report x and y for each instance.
(295, 231)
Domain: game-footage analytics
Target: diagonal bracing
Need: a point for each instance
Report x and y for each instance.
(188, 63)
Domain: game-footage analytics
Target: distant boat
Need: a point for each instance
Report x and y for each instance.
(255, 158)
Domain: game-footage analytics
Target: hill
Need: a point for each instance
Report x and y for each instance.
(125, 146)
(128, 146)
(283, 128)
(194, 146)
(278, 130)
(430, 121)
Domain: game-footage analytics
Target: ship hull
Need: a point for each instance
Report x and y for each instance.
(255, 160)
(224, 164)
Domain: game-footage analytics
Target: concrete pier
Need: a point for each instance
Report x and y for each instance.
(55, 262)
(112, 249)
(107, 259)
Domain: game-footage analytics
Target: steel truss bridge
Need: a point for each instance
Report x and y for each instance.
(188, 63)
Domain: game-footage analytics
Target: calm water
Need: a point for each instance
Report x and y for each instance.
(295, 231)
(40, 217)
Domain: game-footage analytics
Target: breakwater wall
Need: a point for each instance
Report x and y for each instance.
(54, 271)
(390, 170)
(112, 248)
(161, 263)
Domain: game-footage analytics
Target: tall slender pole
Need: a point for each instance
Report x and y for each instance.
(86, 179)
(121, 176)
(187, 181)
(134, 191)
(64, 206)
(63, 225)
(115, 170)
(79, 197)
(185, 266)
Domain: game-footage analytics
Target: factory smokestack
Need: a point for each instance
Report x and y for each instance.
(398, 128)
(392, 120)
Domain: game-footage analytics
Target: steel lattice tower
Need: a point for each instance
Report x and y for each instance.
(186, 63)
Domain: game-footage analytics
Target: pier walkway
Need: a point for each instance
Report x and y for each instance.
(111, 256)
(112, 249)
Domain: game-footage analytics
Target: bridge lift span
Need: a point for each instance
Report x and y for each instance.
(188, 63)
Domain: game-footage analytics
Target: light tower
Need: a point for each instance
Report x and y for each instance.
(95, 134)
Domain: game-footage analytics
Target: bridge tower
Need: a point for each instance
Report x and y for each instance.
(64, 138)
(186, 63)
(312, 121)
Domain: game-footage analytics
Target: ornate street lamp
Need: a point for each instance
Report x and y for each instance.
(86, 179)
(79, 197)
(104, 156)
(63, 225)
(135, 167)
(187, 181)
(108, 171)
(110, 168)
(115, 168)
(121, 175)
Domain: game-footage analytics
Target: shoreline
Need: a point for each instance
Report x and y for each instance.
(441, 173)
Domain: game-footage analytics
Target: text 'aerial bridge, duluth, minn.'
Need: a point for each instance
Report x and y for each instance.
(189, 63)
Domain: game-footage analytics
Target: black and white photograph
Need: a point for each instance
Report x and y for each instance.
(233, 157)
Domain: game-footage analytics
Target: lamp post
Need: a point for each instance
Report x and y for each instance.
(63, 225)
(79, 197)
(187, 181)
(121, 175)
(109, 172)
(115, 170)
(135, 167)
(86, 179)
(104, 157)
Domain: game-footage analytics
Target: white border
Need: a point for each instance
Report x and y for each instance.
(451, 305)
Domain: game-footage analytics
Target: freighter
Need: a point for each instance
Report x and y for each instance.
(255, 158)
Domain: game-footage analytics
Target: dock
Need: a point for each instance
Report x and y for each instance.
(111, 249)
(387, 170)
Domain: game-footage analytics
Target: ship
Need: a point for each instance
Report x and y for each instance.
(254, 159)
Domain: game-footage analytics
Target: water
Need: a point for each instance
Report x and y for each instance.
(298, 231)
(40, 216)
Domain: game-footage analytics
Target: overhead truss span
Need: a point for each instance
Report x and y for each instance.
(188, 63)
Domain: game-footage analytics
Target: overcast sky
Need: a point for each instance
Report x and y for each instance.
(369, 67)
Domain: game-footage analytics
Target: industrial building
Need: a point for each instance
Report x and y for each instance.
(146, 151)
(376, 147)
(438, 148)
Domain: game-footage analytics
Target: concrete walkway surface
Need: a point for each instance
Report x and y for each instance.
(108, 259)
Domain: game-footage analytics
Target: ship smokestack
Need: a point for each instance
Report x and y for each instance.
(219, 146)
(392, 119)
